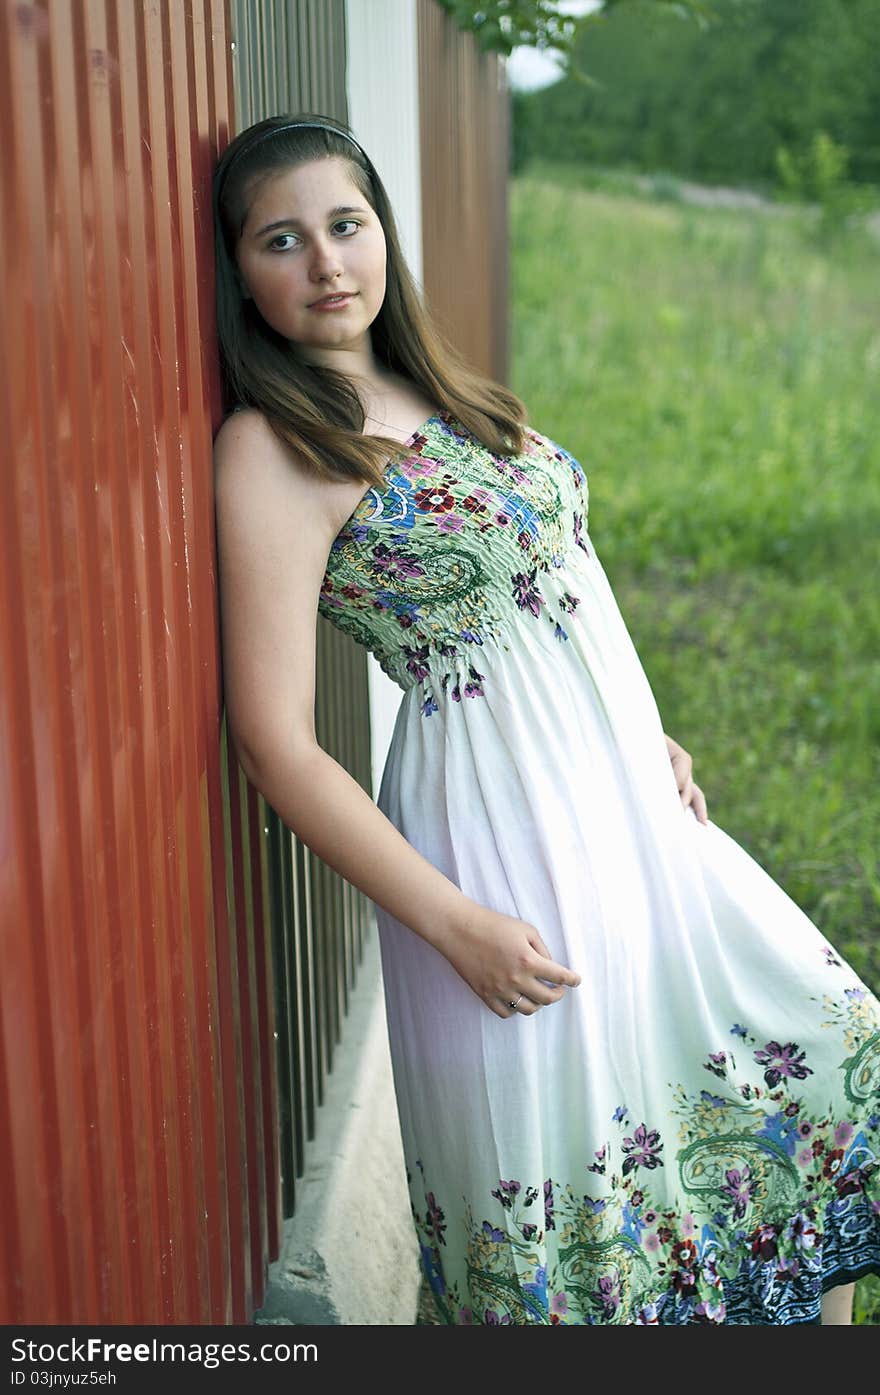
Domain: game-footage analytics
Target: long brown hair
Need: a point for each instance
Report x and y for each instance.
(314, 408)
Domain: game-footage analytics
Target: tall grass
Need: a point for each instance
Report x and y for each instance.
(717, 376)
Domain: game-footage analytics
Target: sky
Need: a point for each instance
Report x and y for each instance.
(530, 68)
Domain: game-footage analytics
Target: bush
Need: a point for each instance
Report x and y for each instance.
(819, 175)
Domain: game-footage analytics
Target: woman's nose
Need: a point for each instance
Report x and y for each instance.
(325, 259)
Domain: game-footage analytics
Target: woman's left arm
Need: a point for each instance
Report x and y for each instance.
(690, 793)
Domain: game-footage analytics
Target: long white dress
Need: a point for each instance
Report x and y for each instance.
(690, 1135)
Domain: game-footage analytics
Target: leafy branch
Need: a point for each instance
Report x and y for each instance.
(502, 25)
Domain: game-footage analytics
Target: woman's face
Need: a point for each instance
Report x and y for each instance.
(310, 232)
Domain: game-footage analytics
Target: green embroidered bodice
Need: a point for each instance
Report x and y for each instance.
(457, 549)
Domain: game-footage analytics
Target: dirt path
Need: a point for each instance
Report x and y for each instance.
(713, 195)
(723, 196)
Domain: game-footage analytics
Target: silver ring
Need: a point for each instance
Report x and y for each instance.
(513, 1005)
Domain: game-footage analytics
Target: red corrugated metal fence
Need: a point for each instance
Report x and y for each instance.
(139, 1166)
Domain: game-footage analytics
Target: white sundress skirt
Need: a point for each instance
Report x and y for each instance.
(691, 1134)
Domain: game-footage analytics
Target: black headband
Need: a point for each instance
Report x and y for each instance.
(293, 126)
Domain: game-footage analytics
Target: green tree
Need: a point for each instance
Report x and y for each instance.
(715, 101)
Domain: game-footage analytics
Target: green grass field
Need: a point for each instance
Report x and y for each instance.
(716, 373)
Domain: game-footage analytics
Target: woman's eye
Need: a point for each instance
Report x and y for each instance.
(344, 222)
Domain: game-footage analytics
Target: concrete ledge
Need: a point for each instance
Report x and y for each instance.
(349, 1255)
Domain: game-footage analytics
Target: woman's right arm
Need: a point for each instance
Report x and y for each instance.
(275, 526)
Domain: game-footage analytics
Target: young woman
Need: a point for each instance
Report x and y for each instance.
(635, 1083)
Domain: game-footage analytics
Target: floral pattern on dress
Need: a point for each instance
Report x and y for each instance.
(412, 575)
(765, 1201)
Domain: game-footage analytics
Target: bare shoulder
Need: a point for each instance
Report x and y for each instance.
(248, 456)
(273, 539)
(269, 503)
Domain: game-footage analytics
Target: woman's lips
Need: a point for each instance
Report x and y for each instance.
(337, 303)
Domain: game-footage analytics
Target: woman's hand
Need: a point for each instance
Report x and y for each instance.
(689, 792)
(504, 959)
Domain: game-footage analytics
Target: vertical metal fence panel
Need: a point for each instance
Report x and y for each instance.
(292, 57)
(150, 896)
(464, 121)
(140, 1162)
